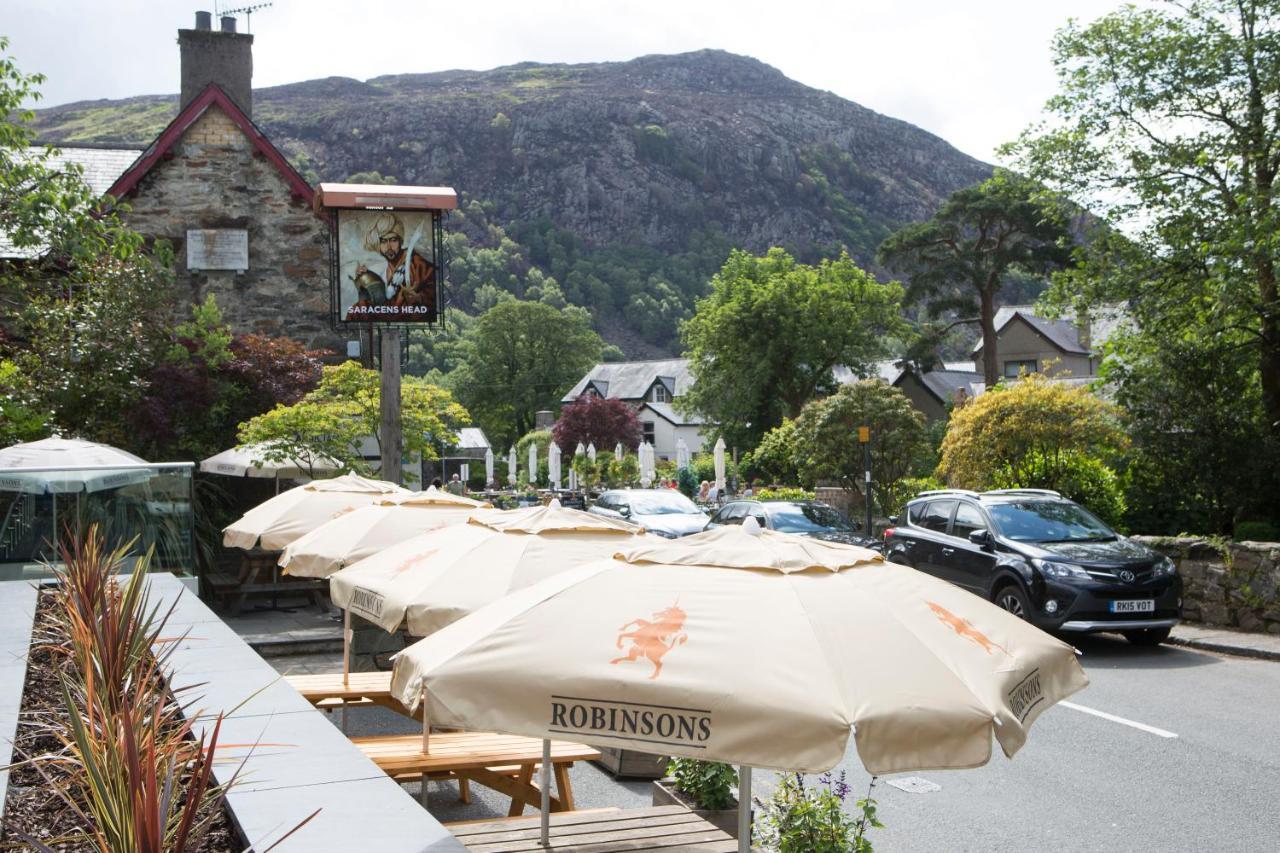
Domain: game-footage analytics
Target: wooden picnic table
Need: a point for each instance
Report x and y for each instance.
(660, 828)
(327, 690)
(505, 763)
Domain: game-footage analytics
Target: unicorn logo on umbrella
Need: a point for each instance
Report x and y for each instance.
(653, 639)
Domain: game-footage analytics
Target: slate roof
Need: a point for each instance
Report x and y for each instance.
(101, 167)
(669, 413)
(1063, 334)
(631, 380)
(472, 438)
(944, 384)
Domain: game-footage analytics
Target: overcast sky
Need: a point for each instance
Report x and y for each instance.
(974, 72)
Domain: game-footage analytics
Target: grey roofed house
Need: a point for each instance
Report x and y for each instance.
(1056, 347)
(472, 443)
(934, 392)
(101, 167)
(634, 381)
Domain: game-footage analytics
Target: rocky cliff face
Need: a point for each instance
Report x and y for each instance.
(657, 152)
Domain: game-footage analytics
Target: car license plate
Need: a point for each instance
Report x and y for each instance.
(1147, 606)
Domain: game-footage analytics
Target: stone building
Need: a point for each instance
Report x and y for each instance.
(238, 215)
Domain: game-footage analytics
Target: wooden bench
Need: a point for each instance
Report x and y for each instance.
(505, 763)
(258, 573)
(661, 828)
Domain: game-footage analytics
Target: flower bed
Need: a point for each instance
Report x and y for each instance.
(104, 759)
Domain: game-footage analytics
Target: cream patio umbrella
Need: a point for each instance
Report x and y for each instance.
(70, 465)
(248, 461)
(682, 454)
(273, 524)
(488, 468)
(617, 451)
(434, 579)
(533, 463)
(756, 648)
(646, 464)
(511, 466)
(718, 460)
(591, 451)
(364, 532)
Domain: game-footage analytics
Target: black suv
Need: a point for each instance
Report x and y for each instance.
(1040, 557)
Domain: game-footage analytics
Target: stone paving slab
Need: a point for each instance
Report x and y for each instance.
(17, 615)
(1226, 641)
(299, 760)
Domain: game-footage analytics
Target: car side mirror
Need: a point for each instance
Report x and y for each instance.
(982, 538)
(893, 519)
(624, 511)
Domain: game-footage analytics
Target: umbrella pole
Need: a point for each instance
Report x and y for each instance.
(546, 793)
(346, 662)
(426, 743)
(744, 809)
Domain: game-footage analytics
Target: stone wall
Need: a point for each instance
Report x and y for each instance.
(216, 179)
(1233, 584)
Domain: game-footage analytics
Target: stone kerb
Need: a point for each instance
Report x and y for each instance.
(291, 759)
(1234, 584)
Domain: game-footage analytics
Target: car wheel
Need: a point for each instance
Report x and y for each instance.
(1147, 636)
(1011, 598)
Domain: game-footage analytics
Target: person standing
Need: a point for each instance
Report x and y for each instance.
(456, 486)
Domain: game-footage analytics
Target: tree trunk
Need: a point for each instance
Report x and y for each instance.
(1270, 347)
(987, 320)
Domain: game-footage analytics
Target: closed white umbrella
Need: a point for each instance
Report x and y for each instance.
(646, 464)
(646, 652)
(465, 473)
(591, 451)
(533, 463)
(553, 464)
(617, 451)
(79, 466)
(682, 454)
(511, 466)
(249, 461)
(488, 468)
(719, 463)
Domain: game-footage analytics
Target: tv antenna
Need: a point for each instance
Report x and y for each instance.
(247, 11)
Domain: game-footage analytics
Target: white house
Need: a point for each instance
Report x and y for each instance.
(651, 387)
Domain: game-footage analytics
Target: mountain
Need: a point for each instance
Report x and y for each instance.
(626, 182)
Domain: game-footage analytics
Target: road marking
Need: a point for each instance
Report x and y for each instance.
(1121, 720)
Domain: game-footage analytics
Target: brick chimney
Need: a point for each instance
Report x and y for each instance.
(224, 57)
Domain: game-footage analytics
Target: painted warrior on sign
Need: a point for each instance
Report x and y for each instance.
(410, 278)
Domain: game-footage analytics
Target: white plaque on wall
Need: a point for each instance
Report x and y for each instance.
(218, 249)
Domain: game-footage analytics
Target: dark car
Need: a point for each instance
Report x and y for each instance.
(805, 518)
(1041, 557)
(665, 512)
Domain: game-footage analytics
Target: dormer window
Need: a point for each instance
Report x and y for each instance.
(660, 394)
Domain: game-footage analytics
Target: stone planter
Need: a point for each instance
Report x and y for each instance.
(305, 763)
(665, 794)
(628, 763)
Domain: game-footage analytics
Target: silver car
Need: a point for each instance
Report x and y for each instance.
(665, 512)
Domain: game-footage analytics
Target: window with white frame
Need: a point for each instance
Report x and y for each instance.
(661, 394)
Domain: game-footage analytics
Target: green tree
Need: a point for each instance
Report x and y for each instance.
(961, 258)
(87, 310)
(1028, 433)
(826, 438)
(345, 408)
(1202, 458)
(765, 340)
(521, 357)
(1167, 121)
(20, 420)
(774, 458)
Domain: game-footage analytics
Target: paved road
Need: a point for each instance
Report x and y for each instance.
(1082, 783)
(1085, 783)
